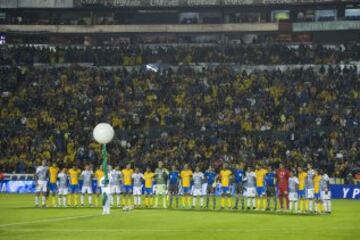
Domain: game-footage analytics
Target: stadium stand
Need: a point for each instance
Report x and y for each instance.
(198, 81)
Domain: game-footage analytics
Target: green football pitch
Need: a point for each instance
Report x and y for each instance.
(20, 220)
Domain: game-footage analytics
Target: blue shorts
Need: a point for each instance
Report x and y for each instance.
(186, 189)
(260, 191)
(317, 196)
(225, 190)
(53, 187)
(301, 193)
(148, 191)
(128, 189)
(98, 189)
(74, 188)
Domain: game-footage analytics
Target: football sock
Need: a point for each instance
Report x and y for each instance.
(188, 201)
(222, 202)
(229, 202)
(164, 201)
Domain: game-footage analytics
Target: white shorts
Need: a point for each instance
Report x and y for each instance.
(204, 189)
(86, 189)
(293, 196)
(115, 189)
(41, 186)
(160, 189)
(137, 191)
(310, 193)
(325, 196)
(197, 192)
(250, 192)
(63, 191)
(106, 189)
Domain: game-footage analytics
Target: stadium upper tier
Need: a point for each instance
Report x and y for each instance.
(213, 116)
(130, 55)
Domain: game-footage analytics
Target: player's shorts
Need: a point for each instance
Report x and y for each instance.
(128, 189)
(225, 190)
(310, 193)
(86, 189)
(317, 196)
(115, 189)
(148, 191)
(173, 189)
(160, 189)
(325, 195)
(74, 188)
(137, 191)
(53, 187)
(301, 194)
(63, 191)
(283, 191)
(270, 191)
(260, 191)
(186, 190)
(204, 188)
(238, 188)
(293, 196)
(98, 189)
(197, 192)
(250, 192)
(210, 188)
(41, 186)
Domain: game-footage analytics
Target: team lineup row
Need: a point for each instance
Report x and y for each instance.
(304, 189)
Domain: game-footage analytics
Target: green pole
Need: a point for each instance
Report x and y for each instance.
(104, 163)
(105, 169)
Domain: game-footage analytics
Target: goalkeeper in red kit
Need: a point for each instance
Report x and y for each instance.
(282, 179)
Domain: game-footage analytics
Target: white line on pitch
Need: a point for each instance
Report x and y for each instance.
(48, 220)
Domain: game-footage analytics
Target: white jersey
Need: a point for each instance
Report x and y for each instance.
(293, 184)
(137, 179)
(87, 178)
(198, 178)
(42, 173)
(324, 182)
(115, 177)
(310, 179)
(63, 180)
(250, 180)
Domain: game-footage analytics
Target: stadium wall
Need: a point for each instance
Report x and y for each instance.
(153, 28)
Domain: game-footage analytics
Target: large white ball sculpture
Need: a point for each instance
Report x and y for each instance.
(103, 133)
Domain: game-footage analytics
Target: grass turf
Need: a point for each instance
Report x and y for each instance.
(20, 220)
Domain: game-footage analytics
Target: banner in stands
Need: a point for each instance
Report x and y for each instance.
(8, 186)
(193, 3)
(337, 191)
(345, 191)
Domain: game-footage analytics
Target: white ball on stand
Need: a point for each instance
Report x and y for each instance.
(103, 133)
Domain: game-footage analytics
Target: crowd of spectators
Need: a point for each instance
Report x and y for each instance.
(210, 117)
(129, 55)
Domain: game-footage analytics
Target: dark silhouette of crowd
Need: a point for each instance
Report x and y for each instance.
(130, 55)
